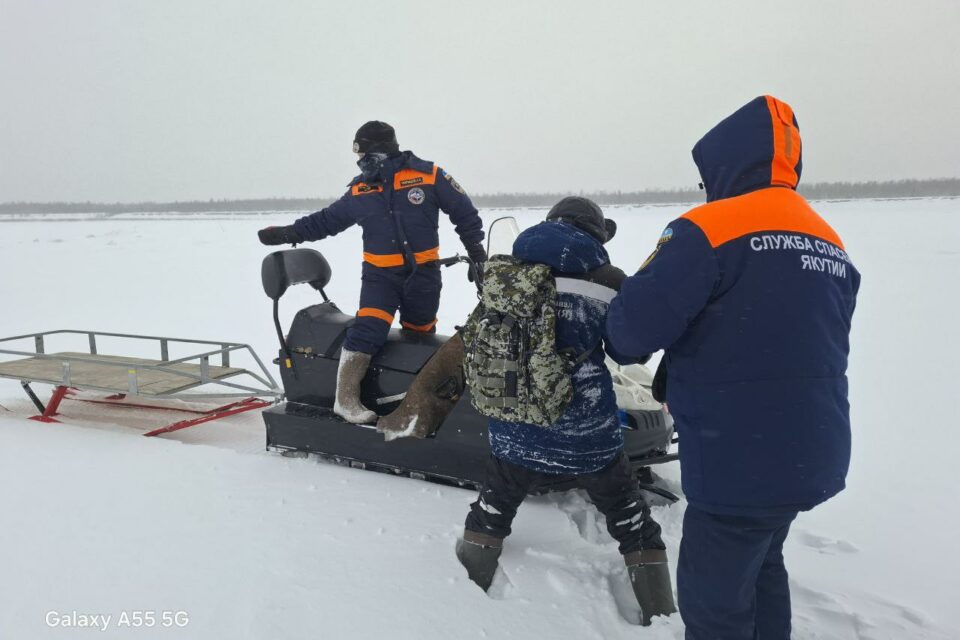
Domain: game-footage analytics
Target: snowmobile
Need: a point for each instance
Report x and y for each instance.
(456, 453)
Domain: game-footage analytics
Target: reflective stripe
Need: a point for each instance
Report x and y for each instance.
(419, 327)
(396, 259)
(372, 312)
(586, 289)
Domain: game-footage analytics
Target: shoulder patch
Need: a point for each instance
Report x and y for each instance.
(665, 237)
(453, 183)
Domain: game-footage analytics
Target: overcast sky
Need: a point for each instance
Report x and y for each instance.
(193, 99)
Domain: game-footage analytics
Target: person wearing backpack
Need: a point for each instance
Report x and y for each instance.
(583, 438)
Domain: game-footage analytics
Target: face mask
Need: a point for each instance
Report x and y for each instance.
(370, 165)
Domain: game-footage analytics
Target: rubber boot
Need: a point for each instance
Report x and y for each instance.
(353, 366)
(431, 397)
(479, 554)
(650, 579)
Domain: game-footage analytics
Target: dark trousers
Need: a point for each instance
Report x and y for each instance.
(612, 489)
(731, 580)
(383, 292)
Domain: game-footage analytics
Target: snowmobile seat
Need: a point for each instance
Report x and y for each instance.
(282, 269)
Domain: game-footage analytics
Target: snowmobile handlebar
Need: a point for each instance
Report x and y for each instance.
(475, 274)
(454, 259)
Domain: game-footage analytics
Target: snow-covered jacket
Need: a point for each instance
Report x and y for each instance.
(399, 213)
(587, 436)
(752, 296)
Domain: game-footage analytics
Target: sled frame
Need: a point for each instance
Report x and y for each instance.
(162, 379)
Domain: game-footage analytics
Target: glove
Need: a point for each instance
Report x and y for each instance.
(659, 387)
(478, 255)
(279, 235)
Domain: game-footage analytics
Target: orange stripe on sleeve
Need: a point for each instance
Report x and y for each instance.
(786, 144)
(771, 209)
(372, 312)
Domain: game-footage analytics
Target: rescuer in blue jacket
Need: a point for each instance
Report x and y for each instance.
(396, 200)
(751, 296)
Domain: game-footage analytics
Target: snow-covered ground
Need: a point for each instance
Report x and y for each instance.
(97, 520)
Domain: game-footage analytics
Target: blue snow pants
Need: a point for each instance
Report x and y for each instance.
(386, 290)
(731, 580)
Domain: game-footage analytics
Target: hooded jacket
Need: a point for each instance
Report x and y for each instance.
(751, 295)
(399, 213)
(587, 436)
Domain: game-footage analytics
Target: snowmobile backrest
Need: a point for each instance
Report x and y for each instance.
(282, 269)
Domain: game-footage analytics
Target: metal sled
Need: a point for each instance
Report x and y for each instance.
(130, 377)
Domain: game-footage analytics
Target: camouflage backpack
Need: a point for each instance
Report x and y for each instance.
(511, 362)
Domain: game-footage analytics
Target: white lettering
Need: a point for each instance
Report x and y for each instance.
(824, 265)
(777, 241)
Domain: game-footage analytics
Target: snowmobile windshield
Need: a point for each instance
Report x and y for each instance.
(502, 234)
(758, 146)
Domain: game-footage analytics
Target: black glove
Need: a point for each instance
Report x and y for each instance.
(477, 269)
(477, 253)
(279, 235)
(659, 387)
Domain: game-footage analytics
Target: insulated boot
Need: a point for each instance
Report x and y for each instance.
(431, 396)
(479, 553)
(353, 366)
(650, 579)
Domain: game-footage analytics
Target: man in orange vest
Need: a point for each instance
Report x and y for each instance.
(396, 199)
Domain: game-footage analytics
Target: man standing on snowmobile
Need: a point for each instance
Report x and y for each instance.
(396, 199)
(751, 296)
(586, 441)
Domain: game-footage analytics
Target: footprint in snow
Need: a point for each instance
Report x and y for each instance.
(824, 544)
(590, 523)
(828, 616)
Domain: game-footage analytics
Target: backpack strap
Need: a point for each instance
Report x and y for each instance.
(496, 364)
(499, 403)
(570, 352)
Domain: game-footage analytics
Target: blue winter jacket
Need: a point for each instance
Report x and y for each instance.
(587, 436)
(399, 213)
(752, 296)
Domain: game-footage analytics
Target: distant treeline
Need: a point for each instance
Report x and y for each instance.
(938, 187)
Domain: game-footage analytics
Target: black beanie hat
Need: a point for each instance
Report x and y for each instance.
(376, 137)
(584, 214)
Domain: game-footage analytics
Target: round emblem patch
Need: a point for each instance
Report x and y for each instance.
(416, 196)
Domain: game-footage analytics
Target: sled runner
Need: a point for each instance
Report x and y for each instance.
(191, 378)
(455, 453)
